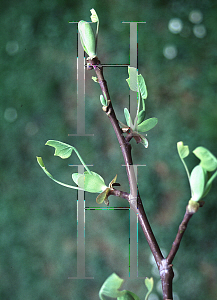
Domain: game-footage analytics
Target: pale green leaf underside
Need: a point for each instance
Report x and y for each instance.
(128, 117)
(132, 80)
(208, 160)
(41, 164)
(147, 125)
(92, 183)
(197, 182)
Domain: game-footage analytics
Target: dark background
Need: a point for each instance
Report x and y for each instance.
(38, 218)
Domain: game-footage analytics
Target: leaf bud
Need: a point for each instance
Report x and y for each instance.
(87, 38)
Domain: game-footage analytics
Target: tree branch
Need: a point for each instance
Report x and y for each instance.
(134, 199)
(181, 231)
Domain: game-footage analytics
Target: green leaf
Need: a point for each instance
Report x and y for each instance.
(111, 286)
(41, 164)
(208, 160)
(92, 183)
(149, 282)
(64, 151)
(142, 87)
(75, 177)
(182, 150)
(129, 296)
(128, 117)
(209, 184)
(132, 80)
(147, 124)
(87, 38)
(61, 149)
(197, 183)
(141, 117)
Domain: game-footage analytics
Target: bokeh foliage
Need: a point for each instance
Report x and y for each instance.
(38, 102)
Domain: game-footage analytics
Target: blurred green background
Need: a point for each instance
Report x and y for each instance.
(177, 55)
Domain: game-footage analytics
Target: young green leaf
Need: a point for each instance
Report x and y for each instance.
(61, 149)
(95, 19)
(182, 150)
(41, 164)
(142, 87)
(132, 80)
(64, 151)
(208, 160)
(141, 117)
(92, 183)
(197, 183)
(128, 117)
(111, 286)
(149, 282)
(147, 124)
(87, 38)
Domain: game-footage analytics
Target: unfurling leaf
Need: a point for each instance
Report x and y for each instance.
(87, 38)
(208, 160)
(182, 150)
(197, 183)
(142, 86)
(41, 164)
(149, 282)
(147, 125)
